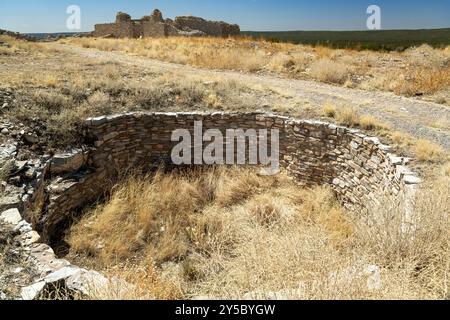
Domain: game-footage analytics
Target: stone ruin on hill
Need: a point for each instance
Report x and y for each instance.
(155, 26)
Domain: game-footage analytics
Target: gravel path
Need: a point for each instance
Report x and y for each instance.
(419, 118)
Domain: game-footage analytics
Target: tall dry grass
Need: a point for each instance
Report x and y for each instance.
(418, 71)
(10, 46)
(326, 70)
(229, 233)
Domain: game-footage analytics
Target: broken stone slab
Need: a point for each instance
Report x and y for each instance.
(77, 281)
(11, 216)
(373, 140)
(68, 162)
(8, 151)
(44, 259)
(32, 292)
(396, 160)
(61, 274)
(88, 283)
(96, 121)
(402, 171)
(411, 179)
(19, 166)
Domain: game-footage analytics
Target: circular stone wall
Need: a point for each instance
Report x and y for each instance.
(360, 169)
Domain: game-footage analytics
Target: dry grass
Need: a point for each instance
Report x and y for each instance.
(6, 168)
(229, 233)
(12, 46)
(326, 70)
(58, 96)
(418, 71)
(368, 122)
(350, 117)
(422, 149)
(329, 110)
(426, 150)
(424, 80)
(183, 227)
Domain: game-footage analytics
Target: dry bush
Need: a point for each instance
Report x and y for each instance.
(323, 52)
(6, 51)
(347, 116)
(327, 70)
(401, 138)
(350, 117)
(288, 63)
(329, 110)
(368, 122)
(426, 150)
(100, 102)
(418, 258)
(423, 80)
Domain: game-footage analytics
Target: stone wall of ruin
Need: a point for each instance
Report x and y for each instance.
(155, 26)
(124, 29)
(105, 29)
(153, 29)
(214, 28)
(360, 169)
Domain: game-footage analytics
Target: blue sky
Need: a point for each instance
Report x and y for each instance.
(261, 15)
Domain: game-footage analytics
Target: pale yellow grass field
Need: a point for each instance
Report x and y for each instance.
(226, 232)
(419, 71)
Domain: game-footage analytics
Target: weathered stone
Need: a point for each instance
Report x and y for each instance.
(410, 179)
(11, 216)
(357, 167)
(61, 274)
(31, 138)
(88, 283)
(29, 238)
(155, 26)
(69, 162)
(32, 292)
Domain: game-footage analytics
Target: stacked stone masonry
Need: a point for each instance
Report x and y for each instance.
(155, 26)
(360, 169)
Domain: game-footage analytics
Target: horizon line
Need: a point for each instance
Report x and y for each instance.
(268, 31)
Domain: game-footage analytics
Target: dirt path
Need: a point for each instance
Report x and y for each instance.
(419, 118)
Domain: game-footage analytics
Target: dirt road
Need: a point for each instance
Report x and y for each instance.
(419, 118)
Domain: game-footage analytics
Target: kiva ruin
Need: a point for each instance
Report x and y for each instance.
(155, 26)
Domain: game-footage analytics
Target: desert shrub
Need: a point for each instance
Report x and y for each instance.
(369, 122)
(287, 63)
(100, 102)
(327, 70)
(347, 116)
(426, 150)
(329, 110)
